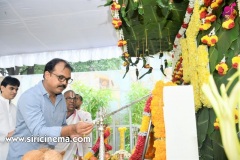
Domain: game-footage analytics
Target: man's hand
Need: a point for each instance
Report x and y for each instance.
(10, 134)
(79, 129)
(84, 128)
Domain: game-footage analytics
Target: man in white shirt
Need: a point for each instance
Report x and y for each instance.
(9, 88)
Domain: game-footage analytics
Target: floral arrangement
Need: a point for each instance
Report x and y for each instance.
(158, 119)
(195, 59)
(191, 34)
(186, 62)
(120, 154)
(180, 34)
(229, 15)
(95, 148)
(211, 39)
(143, 132)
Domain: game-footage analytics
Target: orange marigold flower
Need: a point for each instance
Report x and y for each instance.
(125, 64)
(125, 54)
(205, 26)
(116, 22)
(213, 40)
(205, 39)
(203, 12)
(121, 43)
(115, 6)
(210, 18)
(229, 24)
(235, 61)
(222, 68)
(216, 125)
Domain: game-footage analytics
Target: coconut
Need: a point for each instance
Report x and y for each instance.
(33, 155)
(52, 155)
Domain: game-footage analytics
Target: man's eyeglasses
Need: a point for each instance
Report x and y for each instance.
(61, 78)
(71, 99)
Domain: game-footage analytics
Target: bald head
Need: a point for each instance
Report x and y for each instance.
(68, 92)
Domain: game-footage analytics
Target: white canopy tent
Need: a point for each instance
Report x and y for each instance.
(35, 31)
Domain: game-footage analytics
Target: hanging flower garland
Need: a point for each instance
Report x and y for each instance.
(95, 148)
(186, 61)
(158, 119)
(143, 132)
(186, 20)
(191, 35)
(151, 150)
(203, 73)
(178, 72)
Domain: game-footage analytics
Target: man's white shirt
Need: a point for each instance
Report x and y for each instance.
(7, 124)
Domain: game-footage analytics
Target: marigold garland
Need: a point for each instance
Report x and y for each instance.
(197, 71)
(176, 46)
(158, 119)
(137, 155)
(191, 33)
(203, 73)
(185, 61)
(151, 150)
(178, 72)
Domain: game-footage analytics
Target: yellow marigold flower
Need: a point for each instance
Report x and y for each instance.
(235, 61)
(125, 64)
(205, 26)
(222, 68)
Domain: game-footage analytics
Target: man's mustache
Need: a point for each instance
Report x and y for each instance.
(63, 86)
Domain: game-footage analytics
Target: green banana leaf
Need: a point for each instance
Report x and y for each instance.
(202, 125)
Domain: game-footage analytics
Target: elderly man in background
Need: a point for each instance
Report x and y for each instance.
(86, 117)
(73, 149)
(9, 89)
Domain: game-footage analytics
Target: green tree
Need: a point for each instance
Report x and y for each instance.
(136, 91)
(93, 98)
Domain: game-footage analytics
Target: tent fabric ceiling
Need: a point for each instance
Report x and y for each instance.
(44, 27)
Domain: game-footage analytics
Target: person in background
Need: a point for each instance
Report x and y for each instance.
(72, 150)
(86, 117)
(9, 89)
(42, 111)
(79, 101)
